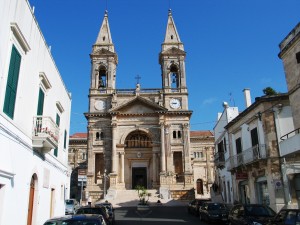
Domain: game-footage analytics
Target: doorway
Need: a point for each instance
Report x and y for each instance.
(139, 177)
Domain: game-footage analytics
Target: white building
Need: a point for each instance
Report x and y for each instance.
(223, 179)
(34, 121)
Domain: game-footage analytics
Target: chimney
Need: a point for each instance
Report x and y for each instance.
(247, 97)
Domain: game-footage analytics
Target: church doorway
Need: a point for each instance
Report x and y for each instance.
(139, 177)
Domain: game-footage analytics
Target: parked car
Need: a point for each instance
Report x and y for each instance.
(250, 214)
(286, 217)
(110, 210)
(100, 210)
(71, 205)
(77, 219)
(194, 205)
(214, 212)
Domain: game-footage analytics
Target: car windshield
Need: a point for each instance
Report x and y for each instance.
(90, 222)
(259, 211)
(69, 202)
(89, 211)
(216, 206)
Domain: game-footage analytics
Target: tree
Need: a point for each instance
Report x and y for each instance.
(269, 91)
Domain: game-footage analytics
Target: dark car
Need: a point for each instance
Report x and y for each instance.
(94, 210)
(214, 212)
(286, 217)
(194, 205)
(110, 210)
(77, 219)
(250, 214)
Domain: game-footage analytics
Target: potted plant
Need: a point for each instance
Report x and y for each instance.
(143, 197)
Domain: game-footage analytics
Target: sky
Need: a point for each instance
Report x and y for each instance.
(230, 44)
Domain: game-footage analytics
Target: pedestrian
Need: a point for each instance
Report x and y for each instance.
(90, 201)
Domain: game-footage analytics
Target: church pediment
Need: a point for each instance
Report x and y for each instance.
(173, 51)
(138, 105)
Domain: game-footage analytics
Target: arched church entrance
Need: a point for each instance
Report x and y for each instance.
(138, 156)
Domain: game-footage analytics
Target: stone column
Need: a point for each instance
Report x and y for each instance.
(114, 148)
(163, 151)
(122, 167)
(154, 168)
(186, 147)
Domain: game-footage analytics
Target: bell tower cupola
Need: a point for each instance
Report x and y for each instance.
(104, 61)
(172, 60)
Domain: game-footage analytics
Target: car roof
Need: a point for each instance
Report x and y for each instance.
(76, 217)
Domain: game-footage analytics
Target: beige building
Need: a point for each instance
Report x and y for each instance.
(290, 140)
(139, 136)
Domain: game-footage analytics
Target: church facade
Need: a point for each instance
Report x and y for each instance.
(138, 136)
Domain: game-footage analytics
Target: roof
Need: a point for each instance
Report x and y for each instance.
(79, 135)
(201, 133)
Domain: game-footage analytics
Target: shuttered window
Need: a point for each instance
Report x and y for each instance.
(40, 103)
(57, 123)
(12, 83)
(65, 140)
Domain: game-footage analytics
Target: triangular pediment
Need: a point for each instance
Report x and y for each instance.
(173, 51)
(138, 105)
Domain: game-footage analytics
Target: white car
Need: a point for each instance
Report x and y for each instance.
(71, 205)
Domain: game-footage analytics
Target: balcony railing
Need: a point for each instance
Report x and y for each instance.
(219, 159)
(247, 156)
(45, 133)
(290, 143)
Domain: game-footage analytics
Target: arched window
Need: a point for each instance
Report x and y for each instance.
(97, 136)
(138, 139)
(174, 76)
(101, 135)
(179, 134)
(174, 134)
(102, 78)
(200, 187)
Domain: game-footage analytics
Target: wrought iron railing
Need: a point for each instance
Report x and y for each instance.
(288, 135)
(247, 156)
(45, 127)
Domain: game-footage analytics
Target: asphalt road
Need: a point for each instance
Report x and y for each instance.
(156, 215)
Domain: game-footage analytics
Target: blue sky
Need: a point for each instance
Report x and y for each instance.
(230, 45)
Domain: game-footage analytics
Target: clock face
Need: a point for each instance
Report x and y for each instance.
(175, 103)
(99, 105)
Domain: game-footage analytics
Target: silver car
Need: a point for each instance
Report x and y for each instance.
(71, 205)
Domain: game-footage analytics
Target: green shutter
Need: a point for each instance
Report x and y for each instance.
(56, 152)
(57, 119)
(12, 83)
(40, 103)
(65, 140)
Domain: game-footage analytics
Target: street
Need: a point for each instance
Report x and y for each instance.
(158, 215)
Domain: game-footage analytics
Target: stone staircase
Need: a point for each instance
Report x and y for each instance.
(129, 198)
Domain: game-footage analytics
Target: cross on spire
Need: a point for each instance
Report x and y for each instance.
(138, 77)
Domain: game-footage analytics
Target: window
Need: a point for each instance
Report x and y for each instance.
(65, 140)
(298, 57)
(174, 134)
(57, 123)
(102, 78)
(238, 145)
(99, 136)
(174, 76)
(12, 83)
(40, 103)
(179, 134)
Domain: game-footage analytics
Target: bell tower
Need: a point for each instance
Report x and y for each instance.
(172, 61)
(104, 61)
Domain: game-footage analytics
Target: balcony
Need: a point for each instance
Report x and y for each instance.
(290, 143)
(44, 133)
(219, 159)
(247, 156)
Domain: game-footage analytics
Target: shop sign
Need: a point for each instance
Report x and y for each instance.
(241, 176)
